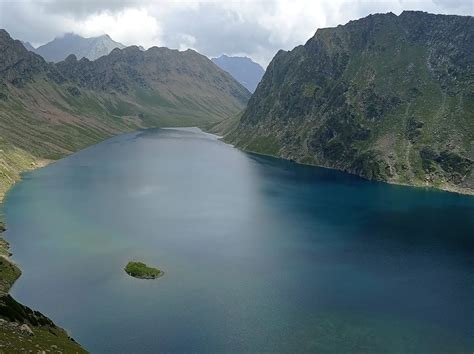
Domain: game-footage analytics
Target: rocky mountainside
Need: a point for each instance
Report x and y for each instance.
(28, 46)
(243, 69)
(386, 97)
(185, 81)
(91, 48)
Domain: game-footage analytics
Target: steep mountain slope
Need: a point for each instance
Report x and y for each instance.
(385, 97)
(243, 69)
(28, 46)
(91, 48)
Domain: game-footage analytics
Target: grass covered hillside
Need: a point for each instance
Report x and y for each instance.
(385, 97)
(50, 110)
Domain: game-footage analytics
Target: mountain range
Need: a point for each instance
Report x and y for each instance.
(243, 69)
(49, 110)
(386, 97)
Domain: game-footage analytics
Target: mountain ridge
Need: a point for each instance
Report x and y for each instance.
(385, 97)
(70, 43)
(243, 69)
(86, 101)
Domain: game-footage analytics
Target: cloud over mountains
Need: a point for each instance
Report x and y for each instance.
(254, 28)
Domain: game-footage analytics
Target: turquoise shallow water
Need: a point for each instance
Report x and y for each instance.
(259, 254)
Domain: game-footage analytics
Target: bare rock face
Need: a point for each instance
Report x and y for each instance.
(18, 66)
(385, 97)
(26, 330)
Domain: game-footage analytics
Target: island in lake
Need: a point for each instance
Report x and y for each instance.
(142, 271)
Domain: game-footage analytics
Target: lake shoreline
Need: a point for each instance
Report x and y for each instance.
(43, 163)
(19, 325)
(447, 189)
(25, 244)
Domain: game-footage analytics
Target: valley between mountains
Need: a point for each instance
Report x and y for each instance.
(48, 111)
(388, 98)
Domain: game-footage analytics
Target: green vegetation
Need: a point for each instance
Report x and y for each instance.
(142, 271)
(15, 338)
(51, 110)
(377, 97)
(48, 111)
(267, 145)
(22, 329)
(13, 161)
(9, 272)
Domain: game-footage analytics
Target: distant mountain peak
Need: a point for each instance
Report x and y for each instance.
(71, 57)
(243, 69)
(69, 35)
(71, 43)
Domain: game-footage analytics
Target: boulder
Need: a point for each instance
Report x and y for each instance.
(26, 330)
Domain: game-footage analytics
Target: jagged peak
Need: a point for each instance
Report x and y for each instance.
(132, 48)
(156, 49)
(69, 35)
(71, 58)
(411, 12)
(225, 56)
(7, 40)
(191, 51)
(115, 51)
(4, 33)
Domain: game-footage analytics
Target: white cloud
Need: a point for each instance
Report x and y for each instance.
(128, 26)
(253, 28)
(187, 42)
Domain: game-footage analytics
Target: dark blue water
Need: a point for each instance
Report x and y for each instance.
(259, 254)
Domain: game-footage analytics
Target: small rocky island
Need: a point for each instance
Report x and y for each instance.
(142, 271)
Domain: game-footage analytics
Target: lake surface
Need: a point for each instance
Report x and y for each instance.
(259, 254)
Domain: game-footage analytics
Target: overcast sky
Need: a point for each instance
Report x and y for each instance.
(254, 28)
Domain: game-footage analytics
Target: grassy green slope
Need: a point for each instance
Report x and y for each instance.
(48, 111)
(385, 97)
